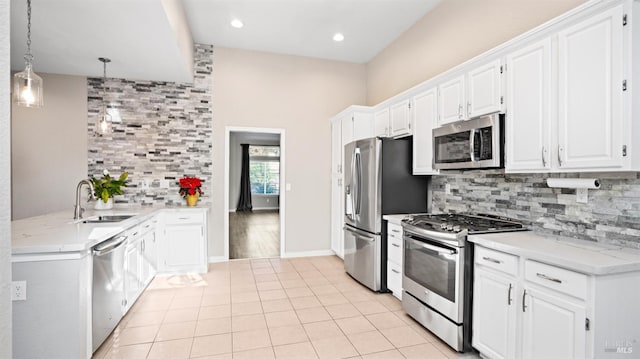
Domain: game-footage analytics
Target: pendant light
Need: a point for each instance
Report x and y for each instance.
(27, 86)
(104, 125)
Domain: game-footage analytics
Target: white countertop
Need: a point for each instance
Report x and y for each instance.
(575, 254)
(397, 218)
(57, 232)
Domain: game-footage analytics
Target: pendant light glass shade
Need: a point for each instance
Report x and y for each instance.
(104, 125)
(27, 86)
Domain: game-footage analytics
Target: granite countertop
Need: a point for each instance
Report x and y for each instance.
(58, 232)
(575, 254)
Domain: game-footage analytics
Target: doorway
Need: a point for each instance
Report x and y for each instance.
(254, 193)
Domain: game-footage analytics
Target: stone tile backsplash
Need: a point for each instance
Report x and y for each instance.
(164, 133)
(612, 214)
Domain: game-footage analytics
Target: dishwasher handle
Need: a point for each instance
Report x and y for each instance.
(108, 246)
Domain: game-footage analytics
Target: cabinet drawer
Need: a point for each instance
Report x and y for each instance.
(560, 279)
(394, 249)
(394, 278)
(181, 218)
(394, 230)
(497, 260)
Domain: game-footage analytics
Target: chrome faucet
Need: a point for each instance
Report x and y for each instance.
(77, 210)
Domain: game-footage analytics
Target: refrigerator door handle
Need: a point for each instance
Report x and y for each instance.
(361, 234)
(358, 199)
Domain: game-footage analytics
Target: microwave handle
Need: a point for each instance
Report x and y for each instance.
(472, 144)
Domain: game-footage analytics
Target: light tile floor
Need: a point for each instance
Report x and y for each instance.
(269, 308)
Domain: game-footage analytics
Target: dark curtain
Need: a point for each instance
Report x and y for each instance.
(244, 203)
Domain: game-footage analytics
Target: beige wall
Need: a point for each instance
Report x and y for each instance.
(450, 34)
(49, 148)
(299, 95)
(5, 184)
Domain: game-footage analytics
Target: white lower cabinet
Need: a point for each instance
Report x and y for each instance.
(184, 242)
(525, 308)
(394, 259)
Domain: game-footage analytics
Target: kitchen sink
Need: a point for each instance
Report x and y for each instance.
(108, 219)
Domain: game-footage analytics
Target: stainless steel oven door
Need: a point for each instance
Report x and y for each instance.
(434, 274)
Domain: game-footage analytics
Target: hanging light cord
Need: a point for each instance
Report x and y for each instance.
(104, 84)
(28, 57)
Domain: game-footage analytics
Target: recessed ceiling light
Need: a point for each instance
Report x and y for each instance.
(236, 23)
(338, 37)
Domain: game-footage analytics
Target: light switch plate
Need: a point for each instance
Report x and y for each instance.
(19, 290)
(288, 186)
(582, 195)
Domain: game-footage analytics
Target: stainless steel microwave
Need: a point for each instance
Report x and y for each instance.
(475, 143)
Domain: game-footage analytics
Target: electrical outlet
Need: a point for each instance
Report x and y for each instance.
(582, 195)
(19, 290)
(447, 188)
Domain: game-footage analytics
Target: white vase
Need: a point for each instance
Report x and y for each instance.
(100, 205)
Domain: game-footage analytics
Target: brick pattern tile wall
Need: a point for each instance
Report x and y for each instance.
(612, 214)
(165, 133)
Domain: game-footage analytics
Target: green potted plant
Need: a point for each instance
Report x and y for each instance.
(106, 187)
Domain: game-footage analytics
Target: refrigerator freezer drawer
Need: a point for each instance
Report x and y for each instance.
(362, 257)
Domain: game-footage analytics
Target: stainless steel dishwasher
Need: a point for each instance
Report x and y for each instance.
(108, 287)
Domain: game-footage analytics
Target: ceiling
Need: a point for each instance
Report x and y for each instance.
(143, 41)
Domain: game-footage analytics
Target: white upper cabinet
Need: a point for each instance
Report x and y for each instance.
(381, 122)
(485, 90)
(400, 119)
(451, 101)
(590, 86)
(356, 126)
(336, 145)
(425, 112)
(528, 119)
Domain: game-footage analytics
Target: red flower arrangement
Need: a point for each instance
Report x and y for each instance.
(190, 185)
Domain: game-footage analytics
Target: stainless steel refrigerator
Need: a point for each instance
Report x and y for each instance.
(377, 181)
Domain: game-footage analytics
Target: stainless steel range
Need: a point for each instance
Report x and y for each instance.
(437, 276)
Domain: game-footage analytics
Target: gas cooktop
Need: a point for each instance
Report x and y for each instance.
(458, 223)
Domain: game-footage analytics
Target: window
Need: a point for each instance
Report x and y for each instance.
(264, 169)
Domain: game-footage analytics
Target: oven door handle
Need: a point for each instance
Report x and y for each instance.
(434, 248)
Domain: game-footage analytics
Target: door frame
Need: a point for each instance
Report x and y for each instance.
(281, 200)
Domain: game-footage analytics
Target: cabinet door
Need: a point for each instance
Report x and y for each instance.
(425, 112)
(401, 119)
(347, 129)
(132, 279)
(185, 247)
(362, 125)
(553, 327)
(485, 90)
(336, 147)
(337, 215)
(527, 123)
(590, 93)
(381, 123)
(451, 98)
(494, 314)
(149, 254)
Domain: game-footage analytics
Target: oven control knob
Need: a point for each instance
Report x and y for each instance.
(449, 227)
(456, 228)
(443, 226)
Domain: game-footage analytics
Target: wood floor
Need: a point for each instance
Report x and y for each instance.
(254, 234)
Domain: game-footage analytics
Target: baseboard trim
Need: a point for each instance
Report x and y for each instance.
(218, 259)
(325, 252)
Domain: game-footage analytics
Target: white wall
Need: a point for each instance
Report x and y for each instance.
(299, 95)
(235, 168)
(49, 148)
(5, 184)
(451, 33)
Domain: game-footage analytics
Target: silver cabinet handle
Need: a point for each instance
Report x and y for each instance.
(524, 306)
(395, 271)
(544, 276)
(489, 259)
(395, 231)
(468, 109)
(460, 111)
(544, 160)
(509, 300)
(559, 156)
(395, 245)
